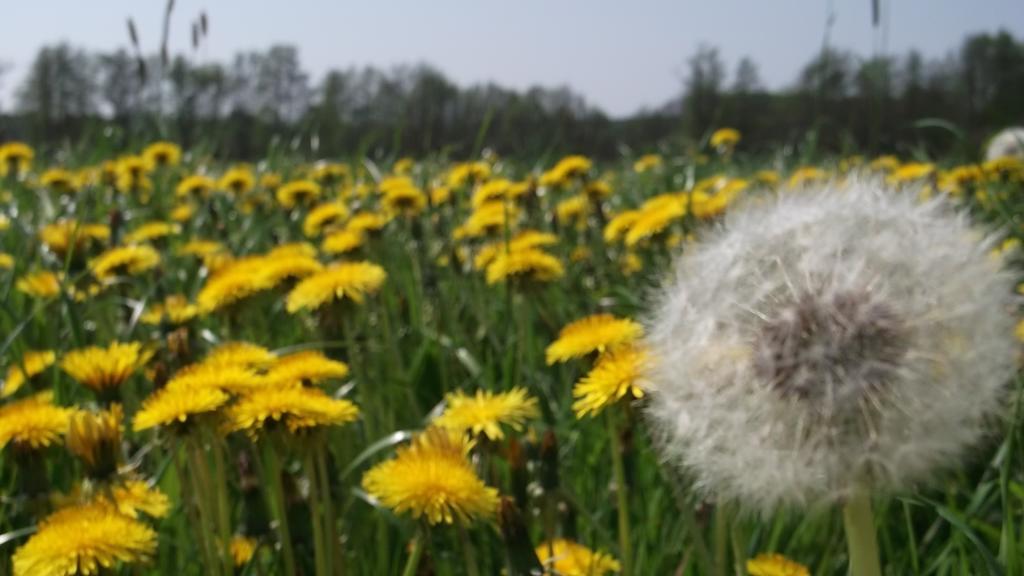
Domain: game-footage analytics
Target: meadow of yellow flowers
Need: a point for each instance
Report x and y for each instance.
(408, 367)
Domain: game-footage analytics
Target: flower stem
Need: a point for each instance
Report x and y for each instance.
(223, 505)
(861, 539)
(720, 535)
(275, 492)
(335, 561)
(316, 519)
(468, 552)
(414, 555)
(619, 475)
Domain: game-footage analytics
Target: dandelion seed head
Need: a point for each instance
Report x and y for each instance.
(830, 337)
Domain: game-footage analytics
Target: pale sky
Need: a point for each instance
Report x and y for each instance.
(620, 55)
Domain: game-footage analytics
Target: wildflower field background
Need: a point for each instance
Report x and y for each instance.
(384, 323)
(408, 366)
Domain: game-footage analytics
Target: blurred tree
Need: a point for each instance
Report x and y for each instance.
(703, 90)
(59, 92)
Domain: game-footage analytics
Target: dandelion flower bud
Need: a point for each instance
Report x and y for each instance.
(828, 341)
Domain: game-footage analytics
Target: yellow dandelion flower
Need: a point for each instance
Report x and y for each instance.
(182, 212)
(237, 180)
(103, 369)
(33, 363)
(595, 333)
(618, 372)
(159, 154)
(403, 166)
(806, 175)
(132, 174)
(367, 222)
(217, 375)
(175, 309)
(597, 190)
(911, 172)
(474, 172)
(34, 422)
(201, 248)
(630, 264)
(646, 163)
(297, 192)
(15, 158)
(884, 164)
(390, 183)
(308, 367)
(151, 231)
(59, 180)
(485, 412)
(1019, 331)
(344, 280)
(572, 209)
(406, 201)
(177, 405)
(95, 438)
(195, 186)
(433, 478)
(775, 565)
(567, 558)
(296, 407)
(124, 260)
(328, 173)
(283, 266)
(241, 354)
(134, 496)
(41, 284)
(491, 191)
(566, 169)
(342, 241)
(725, 139)
(439, 195)
(242, 550)
(84, 539)
(655, 217)
(1005, 169)
(490, 219)
(524, 240)
(531, 264)
(769, 178)
(619, 225)
(270, 180)
(233, 283)
(6, 261)
(323, 216)
(59, 236)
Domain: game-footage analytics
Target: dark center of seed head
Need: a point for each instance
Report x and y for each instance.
(831, 349)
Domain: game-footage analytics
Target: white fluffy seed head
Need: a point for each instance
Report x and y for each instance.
(831, 338)
(1008, 142)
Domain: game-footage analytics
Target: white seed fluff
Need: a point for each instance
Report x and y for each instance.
(1008, 142)
(840, 337)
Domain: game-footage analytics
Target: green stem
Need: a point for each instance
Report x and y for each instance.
(224, 527)
(275, 493)
(414, 555)
(621, 492)
(316, 519)
(202, 488)
(468, 552)
(739, 548)
(721, 540)
(335, 561)
(861, 539)
(194, 507)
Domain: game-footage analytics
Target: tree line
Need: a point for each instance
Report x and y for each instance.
(263, 101)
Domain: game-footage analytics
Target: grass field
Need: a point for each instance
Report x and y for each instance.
(380, 299)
